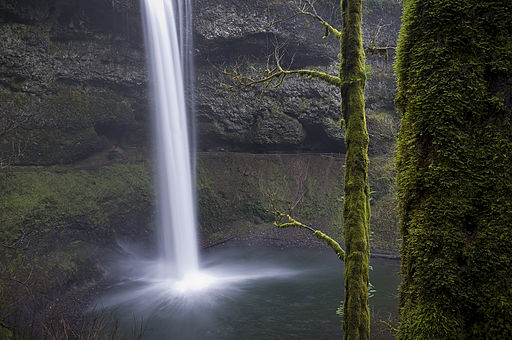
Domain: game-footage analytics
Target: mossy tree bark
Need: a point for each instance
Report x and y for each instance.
(356, 207)
(454, 167)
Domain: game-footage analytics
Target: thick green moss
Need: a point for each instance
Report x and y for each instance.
(56, 222)
(34, 198)
(454, 169)
(356, 206)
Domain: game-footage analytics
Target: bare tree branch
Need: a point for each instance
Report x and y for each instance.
(19, 243)
(372, 48)
(274, 76)
(15, 112)
(275, 22)
(12, 157)
(307, 7)
(285, 220)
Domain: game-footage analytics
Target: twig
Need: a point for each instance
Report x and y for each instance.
(306, 8)
(273, 77)
(311, 11)
(290, 222)
(219, 242)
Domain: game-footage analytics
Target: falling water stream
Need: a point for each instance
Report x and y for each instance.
(224, 295)
(177, 222)
(177, 272)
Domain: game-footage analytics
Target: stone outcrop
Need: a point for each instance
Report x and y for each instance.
(72, 79)
(75, 117)
(75, 73)
(300, 115)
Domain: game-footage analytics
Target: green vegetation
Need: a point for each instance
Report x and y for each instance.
(52, 224)
(383, 125)
(454, 169)
(356, 203)
(234, 191)
(356, 206)
(384, 219)
(234, 187)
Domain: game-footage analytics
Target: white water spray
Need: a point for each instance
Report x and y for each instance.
(176, 278)
(167, 27)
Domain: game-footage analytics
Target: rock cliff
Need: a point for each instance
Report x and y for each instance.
(75, 130)
(301, 114)
(73, 78)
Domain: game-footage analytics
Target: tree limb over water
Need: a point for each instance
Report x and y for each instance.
(285, 220)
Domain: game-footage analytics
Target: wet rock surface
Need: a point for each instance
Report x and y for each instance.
(60, 55)
(72, 79)
(231, 120)
(73, 90)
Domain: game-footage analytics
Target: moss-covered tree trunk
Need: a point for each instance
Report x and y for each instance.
(356, 208)
(454, 167)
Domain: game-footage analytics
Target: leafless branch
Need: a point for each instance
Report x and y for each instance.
(13, 156)
(276, 22)
(389, 326)
(273, 76)
(307, 7)
(372, 48)
(18, 243)
(285, 220)
(14, 114)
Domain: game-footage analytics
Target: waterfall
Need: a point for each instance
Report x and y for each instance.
(173, 287)
(168, 43)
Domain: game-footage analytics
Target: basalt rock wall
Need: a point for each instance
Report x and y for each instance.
(73, 78)
(300, 115)
(75, 135)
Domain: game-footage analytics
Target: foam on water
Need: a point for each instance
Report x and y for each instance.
(147, 284)
(176, 276)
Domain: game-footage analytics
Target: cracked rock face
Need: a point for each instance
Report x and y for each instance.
(300, 115)
(73, 78)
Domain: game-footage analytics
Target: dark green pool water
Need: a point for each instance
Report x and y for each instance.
(261, 294)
